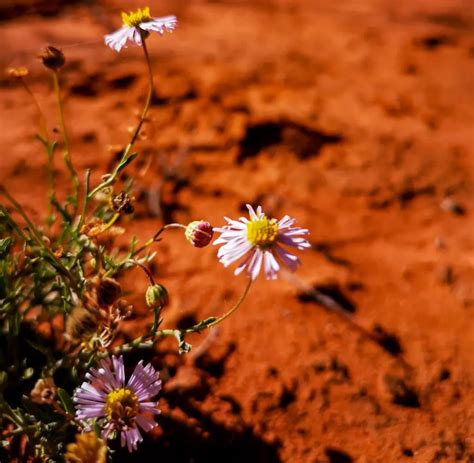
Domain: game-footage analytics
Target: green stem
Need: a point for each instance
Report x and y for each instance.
(155, 237)
(42, 124)
(132, 254)
(10, 413)
(145, 269)
(43, 137)
(53, 202)
(125, 156)
(110, 222)
(146, 342)
(62, 270)
(231, 310)
(67, 152)
(85, 203)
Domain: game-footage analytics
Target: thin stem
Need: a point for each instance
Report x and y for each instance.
(125, 156)
(42, 124)
(10, 413)
(38, 238)
(152, 240)
(232, 309)
(53, 202)
(145, 269)
(85, 203)
(67, 153)
(110, 222)
(49, 147)
(155, 237)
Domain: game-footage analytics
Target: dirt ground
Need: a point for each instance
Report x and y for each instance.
(355, 117)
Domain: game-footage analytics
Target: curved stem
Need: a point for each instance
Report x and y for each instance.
(111, 222)
(155, 237)
(124, 160)
(145, 269)
(144, 342)
(67, 153)
(232, 309)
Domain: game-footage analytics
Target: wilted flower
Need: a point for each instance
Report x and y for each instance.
(82, 323)
(138, 24)
(259, 240)
(88, 448)
(53, 58)
(108, 291)
(199, 233)
(119, 407)
(122, 203)
(44, 391)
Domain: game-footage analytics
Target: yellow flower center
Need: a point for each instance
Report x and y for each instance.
(263, 232)
(134, 18)
(121, 407)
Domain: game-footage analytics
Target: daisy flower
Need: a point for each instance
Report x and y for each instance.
(137, 24)
(117, 406)
(258, 241)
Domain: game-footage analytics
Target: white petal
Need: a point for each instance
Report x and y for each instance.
(255, 264)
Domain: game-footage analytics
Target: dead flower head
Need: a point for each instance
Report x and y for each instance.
(122, 203)
(44, 391)
(53, 58)
(82, 323)
(88, 448)
(108, 291)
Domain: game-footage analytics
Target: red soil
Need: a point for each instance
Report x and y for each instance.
(356, 118)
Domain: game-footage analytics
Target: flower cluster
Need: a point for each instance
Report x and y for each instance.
(72, 267)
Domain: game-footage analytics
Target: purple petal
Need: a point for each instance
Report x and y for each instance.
(289, 259)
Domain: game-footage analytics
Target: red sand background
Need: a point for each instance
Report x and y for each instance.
(356, 117)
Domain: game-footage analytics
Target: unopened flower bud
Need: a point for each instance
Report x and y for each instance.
(199, 233)
(44, 391)
(122, 203)
(156, 296)
(108, 291)
(53, 58)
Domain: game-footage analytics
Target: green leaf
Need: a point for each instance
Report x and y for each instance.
(203, 324)
(28, 373)
(126, 162)
(97, 429)
(3, 380)
(66, 401)
(5, 245)
(15, 324)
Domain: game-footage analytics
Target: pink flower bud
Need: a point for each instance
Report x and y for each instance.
(199, 233)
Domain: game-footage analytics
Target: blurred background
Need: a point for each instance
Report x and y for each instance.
(355, 117)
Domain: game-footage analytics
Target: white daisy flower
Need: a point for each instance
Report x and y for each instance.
(136, 24)
(258, 241)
